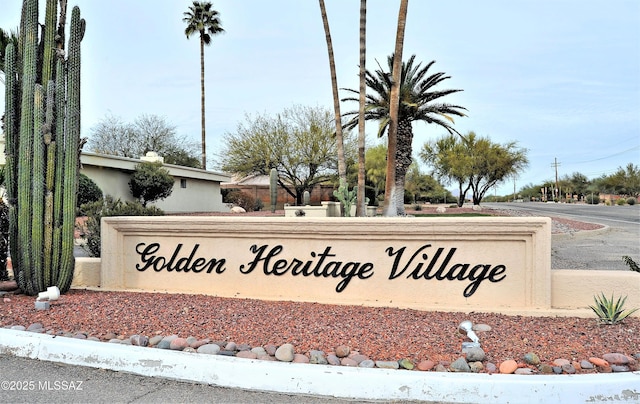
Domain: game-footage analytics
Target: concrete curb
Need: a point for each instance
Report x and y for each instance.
(581, 233)
(324, 380)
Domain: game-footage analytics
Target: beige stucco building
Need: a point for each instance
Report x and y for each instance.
(194, 190)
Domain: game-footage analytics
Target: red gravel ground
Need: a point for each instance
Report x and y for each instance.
(380, 333)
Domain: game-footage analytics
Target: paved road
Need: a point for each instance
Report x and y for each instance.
(590, 250)
(36, 381)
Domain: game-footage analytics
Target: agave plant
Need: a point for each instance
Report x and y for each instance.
(609, 312)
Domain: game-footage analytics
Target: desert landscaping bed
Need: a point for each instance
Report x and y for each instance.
(428, 340)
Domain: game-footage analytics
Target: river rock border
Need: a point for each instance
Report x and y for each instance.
(471, 360)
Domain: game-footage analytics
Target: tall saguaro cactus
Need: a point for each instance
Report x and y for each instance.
(42, 129)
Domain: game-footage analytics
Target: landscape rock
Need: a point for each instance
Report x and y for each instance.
(210, 349)
(476, 367)
(387, 364)
(342, 351)
(333, 360)
(300, 358)
(317, 357)
(599, 362)
(246, 355)
(531, 359)
(426, 365)
(509, 366)
(367, 363)
(348, 362)
(616, 359)
(474, 354)
(285, 353)
(406, 364)
(178, 344)
(460, 365)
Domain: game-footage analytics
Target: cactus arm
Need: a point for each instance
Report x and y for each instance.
(49, 41)
(49, 182)
(71, 160)
(29, 72)
(37, 189)
(11, 130)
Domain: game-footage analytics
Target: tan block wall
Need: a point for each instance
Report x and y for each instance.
(517, 249)
(575, 289)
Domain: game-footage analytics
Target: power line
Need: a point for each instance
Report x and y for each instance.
(606, 157)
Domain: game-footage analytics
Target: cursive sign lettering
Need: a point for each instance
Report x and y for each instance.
(270, 260)
(415, 264)
(184, 264)
(314, 267)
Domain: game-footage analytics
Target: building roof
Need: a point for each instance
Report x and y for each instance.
(129, 164)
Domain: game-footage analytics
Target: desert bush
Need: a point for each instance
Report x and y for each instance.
(621, 202)
(593, 199)
(238, 198)
(88, 191)
(105, 208)
(631, 201)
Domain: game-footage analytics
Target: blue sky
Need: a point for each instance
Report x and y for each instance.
(560, 77)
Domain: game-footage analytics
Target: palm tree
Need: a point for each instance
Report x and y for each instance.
(342, 166)
(392, 206)
(361, 208)
(202, 19)
(418, 101)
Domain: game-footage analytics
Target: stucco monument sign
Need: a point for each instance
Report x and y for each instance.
(421, 263)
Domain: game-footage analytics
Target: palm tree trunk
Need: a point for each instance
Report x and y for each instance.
(403, 161)
(204, 141)
(342, 167)
(390, 198)
(361, 209)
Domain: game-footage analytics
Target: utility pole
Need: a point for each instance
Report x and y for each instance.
(555, 164)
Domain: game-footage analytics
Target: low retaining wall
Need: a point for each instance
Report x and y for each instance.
(498, 264)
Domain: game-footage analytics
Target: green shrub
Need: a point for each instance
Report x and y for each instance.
(236, 197)
(609, 312)
(105, 208)
(150, 182)
(88, 191)
(621, 202)
(593, 199)
(631, 201)
(258, 205)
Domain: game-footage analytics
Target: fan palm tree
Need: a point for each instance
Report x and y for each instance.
(419, 101)
(201, 18)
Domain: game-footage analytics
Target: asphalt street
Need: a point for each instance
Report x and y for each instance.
(33, 381)
(600, 249)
